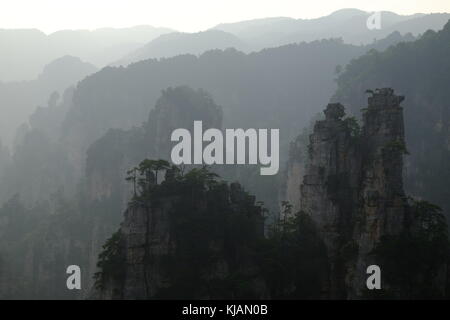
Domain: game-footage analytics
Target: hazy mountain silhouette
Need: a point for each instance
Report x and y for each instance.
(62, 181)
(19, 99)
(25, 52)
(173, 44)
(104, 46)
(349, 24)
(273, 88)
(254, 35)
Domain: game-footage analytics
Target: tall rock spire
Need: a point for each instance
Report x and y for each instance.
(353, 187)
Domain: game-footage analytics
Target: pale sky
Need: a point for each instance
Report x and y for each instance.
(183, 15)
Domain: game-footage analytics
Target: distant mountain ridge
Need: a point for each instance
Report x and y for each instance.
(258, 34)
(349, 24)
(19, 99)
(106, 46)
(176, 43)
(26, 51)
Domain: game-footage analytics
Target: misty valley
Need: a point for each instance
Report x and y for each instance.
(269, 159)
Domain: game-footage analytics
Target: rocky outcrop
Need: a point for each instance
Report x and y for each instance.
(353, 187)
(330, 186)
(5, 158)
(383, 208)
(147, 240)
(109, 158)
(118, 150)
(293, 174)
(193, 237)
(101, 196)
(183, 245)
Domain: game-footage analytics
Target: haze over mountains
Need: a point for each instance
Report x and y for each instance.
(26, 51)
(172, 44)
(254, 35)
(111, 46)
(348, 24)
(78, 109)
(19, 99)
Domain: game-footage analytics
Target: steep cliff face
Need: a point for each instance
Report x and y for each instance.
(5, 158)
(192, 236)
(416, 69)
(109, 158)
(383, 208)
(144, 241)
(113, 154)
(353, 187)
(329, 189)
(294, 172)
(36, 247)
(102, 195)
(190, 239)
